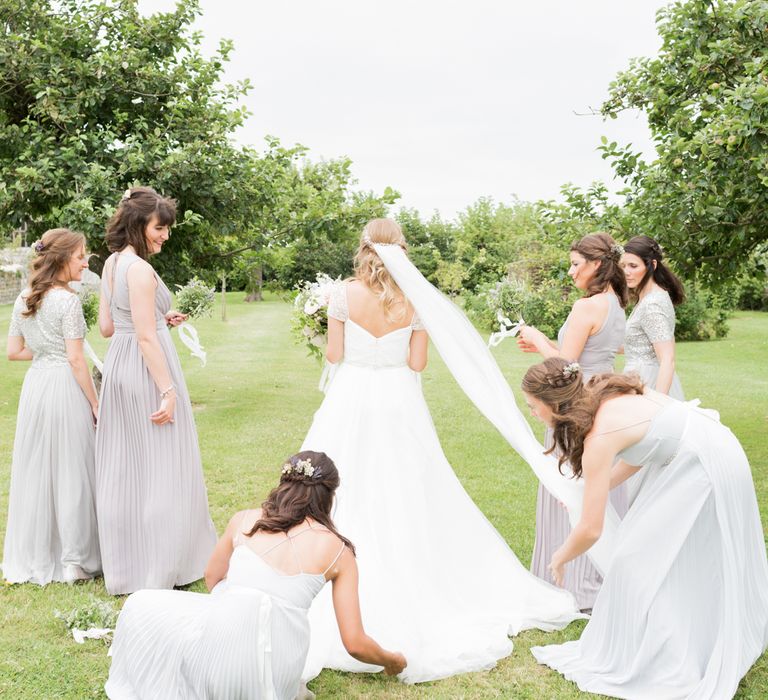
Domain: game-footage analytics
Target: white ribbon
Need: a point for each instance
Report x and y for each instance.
(329, 372)
(507, 329)
(92, 356)
(188, 335)
(92, 633)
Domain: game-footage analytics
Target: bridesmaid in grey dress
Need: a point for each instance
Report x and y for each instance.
(51, 533)
(154, 527)
(649, 344)
(592, 334)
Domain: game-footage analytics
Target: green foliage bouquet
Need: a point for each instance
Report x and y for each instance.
(195, 298)
(95, 619)
(309, 321)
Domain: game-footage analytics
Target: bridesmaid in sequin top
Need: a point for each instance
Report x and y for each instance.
(51, 533)
(649, 343)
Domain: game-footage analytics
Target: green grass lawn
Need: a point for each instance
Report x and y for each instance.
(254, 403)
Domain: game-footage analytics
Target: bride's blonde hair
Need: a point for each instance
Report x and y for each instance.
(371, 270)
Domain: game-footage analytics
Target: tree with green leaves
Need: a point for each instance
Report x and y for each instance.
(95, 98)
(706, 97)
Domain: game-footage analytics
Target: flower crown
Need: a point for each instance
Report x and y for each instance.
(571, 369)
(301, 467)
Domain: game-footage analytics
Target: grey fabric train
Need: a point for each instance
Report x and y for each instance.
(51, 517)
(154, 527)
(552, 526)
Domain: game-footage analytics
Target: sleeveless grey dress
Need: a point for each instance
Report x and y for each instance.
(552, 525)
(154, 527)
(51, 516)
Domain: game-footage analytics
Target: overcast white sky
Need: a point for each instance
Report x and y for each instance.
(445, 101)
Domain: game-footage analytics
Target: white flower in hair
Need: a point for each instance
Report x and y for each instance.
(126, 195)
(617, 249)
(571, 369)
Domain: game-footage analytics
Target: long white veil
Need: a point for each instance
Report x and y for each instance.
(473, 367)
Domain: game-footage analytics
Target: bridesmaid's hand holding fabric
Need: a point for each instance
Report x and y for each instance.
(395, 665)
(557, 568)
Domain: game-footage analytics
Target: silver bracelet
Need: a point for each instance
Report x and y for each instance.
(167, 391)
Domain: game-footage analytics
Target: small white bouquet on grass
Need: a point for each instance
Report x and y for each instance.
(94, 620)
(309, 321)
(195, 300)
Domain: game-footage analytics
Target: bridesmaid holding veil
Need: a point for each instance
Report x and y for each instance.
(683, 611)
(593, 333)
(154, 527)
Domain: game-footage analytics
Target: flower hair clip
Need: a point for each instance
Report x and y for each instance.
(126, 195)
(617, 250)
(302, 467)
(571, 369)
(39, 247)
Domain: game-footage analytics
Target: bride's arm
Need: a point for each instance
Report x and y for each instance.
(417, 356)
(335, 350)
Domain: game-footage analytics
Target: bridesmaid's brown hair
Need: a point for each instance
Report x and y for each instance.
(129, 222)
(600, 246)
(53, 250)
(573, 404)
(300, 496)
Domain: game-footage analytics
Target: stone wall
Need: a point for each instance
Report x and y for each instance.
(11, 284)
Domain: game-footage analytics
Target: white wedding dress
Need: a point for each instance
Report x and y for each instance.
(437, 581)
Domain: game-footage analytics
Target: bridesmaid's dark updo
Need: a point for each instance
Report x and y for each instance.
(129, 222)
(650, 252)
(308, 483)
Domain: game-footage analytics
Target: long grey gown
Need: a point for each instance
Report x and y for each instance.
(552, 525)
(151, 501)
(51, 516)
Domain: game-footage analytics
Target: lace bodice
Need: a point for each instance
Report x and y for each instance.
(364, 349)
(59, 317)
(651, 321)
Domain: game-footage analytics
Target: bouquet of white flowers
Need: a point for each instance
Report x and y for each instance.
(309, 322)
(195, 299)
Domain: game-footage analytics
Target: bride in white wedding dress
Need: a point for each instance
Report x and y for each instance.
(436, 579)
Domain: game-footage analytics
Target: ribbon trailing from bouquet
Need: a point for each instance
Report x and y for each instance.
(188, 335)
(507, 329)
(91, 633)
(329, 372)
(88, 350)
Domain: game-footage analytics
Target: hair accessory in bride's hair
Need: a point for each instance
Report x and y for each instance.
(126, 195)
(299, 467)
(617, 250)
(571, 369)
(39, 247)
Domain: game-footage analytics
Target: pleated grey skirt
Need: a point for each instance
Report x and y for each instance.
(51, 515)
(152, 505)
